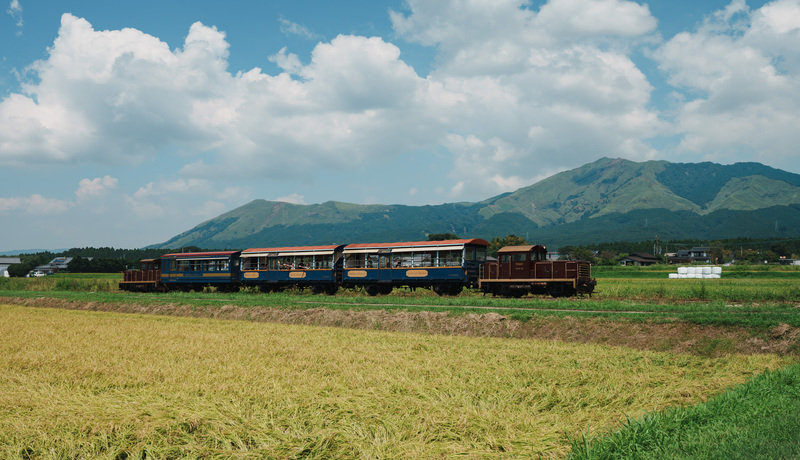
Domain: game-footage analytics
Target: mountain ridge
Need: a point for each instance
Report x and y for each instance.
(571, 207)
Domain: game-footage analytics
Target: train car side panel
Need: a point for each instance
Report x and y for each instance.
(197, 270)
(520, 270)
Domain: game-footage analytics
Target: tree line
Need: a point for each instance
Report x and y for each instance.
(92, 260)
(743, 250)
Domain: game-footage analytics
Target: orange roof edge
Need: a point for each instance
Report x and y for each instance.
(477, 241)
(329, 247)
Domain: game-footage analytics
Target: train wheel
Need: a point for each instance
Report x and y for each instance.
(386, 290)
(331, 290)
(559, 290)
(372, 290)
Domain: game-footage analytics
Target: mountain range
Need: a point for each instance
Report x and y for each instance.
(607, 200)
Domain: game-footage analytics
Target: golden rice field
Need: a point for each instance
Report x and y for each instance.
(80, 385)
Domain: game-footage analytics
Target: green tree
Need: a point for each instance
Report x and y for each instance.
(20, 270)
(719, 254)
(583, 254)
(609, 258)
(511, 240)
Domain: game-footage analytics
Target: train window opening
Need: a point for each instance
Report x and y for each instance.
(480, 255)
(354, 261)
(451, 258)
(520, 257)
(505, 258)
(254, 263)
(423, 259)
(361, 261)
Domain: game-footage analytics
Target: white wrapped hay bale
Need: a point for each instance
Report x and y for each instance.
(673, 276)
(683, 270)
(706, 270)
(716, 270)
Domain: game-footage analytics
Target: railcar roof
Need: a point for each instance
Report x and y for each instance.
(527, 248)
(201, 254)
(429, 244)
(330, 247)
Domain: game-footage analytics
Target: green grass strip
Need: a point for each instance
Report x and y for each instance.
(757, 420)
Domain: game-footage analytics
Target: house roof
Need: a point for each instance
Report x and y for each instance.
(642, 256)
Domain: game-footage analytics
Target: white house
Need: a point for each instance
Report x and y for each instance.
(5, 262)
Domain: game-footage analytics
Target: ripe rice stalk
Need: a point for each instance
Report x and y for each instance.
(78, 384)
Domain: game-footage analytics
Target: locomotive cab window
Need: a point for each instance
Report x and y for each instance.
(505, 258)
(520, 257)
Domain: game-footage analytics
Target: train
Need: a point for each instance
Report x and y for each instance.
(446, 267)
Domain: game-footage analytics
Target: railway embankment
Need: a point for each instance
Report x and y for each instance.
(638, 333)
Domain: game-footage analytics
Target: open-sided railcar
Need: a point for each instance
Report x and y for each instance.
(275, 269)
(194, 271)
(445, 266)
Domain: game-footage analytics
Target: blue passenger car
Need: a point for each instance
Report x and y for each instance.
(194, 271)
(275, 269)
(445, 266)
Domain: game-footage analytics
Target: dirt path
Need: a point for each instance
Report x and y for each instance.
(677, 336)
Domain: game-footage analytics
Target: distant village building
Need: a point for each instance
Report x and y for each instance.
(700, 254)
(54, 266)
(640, 259)
(5, 262)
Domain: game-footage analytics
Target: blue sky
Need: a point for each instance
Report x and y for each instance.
(123, 124)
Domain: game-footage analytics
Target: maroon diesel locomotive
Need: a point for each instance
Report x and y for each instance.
(520, 270)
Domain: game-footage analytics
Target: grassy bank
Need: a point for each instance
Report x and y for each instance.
(102, 385)
(732, 271)
(725, 308)
(758, 420)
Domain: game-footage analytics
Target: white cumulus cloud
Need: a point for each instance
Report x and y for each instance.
(740, 79)
(15, 10)
(516, 91)
(95, 187)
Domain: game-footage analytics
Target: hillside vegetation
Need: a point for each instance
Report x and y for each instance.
(608, 200)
